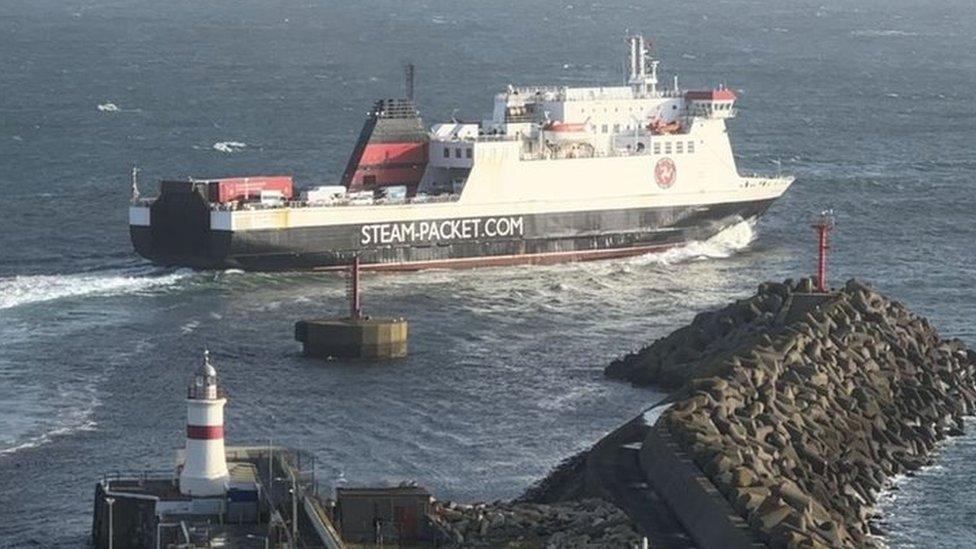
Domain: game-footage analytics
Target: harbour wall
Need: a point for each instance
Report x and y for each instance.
(790, 412)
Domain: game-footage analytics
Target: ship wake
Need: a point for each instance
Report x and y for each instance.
(25, 290)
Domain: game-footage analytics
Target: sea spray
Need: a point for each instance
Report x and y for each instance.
(726, 243)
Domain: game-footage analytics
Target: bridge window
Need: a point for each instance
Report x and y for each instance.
(691, 146)
(667, 148)
(457, 152)
(679, 147)
(447, 152)
(468, 152)
(657, 148)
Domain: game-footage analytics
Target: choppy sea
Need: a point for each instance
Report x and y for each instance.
(869, 103)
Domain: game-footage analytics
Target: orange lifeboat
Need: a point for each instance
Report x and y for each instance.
(660, 127)
(565, 127)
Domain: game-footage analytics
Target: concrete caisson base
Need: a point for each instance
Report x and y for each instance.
(371, 338)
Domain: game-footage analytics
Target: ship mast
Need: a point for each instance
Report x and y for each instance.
(408, 73)
(637, 55)
(135, 184)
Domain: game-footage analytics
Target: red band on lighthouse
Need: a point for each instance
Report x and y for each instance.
(204, 432)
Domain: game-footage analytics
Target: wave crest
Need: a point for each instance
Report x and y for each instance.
(726, 243)
(229, 146)
(881, 33)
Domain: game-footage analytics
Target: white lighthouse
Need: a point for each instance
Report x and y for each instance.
(205, 469)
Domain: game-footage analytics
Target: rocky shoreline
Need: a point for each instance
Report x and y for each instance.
(799, 408)
(696, 350)
(803, 423)
(588, 523)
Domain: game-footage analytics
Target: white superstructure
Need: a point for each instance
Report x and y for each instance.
(584, 137)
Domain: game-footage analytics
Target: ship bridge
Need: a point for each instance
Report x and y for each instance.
(717, 103)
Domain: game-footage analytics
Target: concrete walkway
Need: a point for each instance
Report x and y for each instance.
(613, 470)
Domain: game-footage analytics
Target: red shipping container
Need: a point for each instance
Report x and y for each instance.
(248, 188)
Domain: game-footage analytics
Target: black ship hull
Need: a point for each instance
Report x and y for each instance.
(174, 239)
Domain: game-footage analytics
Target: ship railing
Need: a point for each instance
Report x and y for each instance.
(251, 206)
(138, 475)
(563, 94)
(667, 93)
(481, 138)
(766, 178)
(598, 154)
(529, 91)
(489, 138)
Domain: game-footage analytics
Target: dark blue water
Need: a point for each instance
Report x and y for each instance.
(870, 105)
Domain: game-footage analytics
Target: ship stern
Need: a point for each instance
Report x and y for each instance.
(178, 233)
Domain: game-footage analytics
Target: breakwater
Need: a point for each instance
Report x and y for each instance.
(790, 411)
(801, 412)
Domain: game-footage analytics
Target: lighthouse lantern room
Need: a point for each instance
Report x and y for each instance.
(204, 472)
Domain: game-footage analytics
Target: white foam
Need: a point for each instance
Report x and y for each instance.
(229, 146)
(724, 244)
(23, 290)
(75, 414)
(879, 33)
(651, 416)
(109, 107)
(33, 442)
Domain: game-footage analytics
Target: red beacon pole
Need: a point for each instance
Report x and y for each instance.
(823, 226)
(355, 306)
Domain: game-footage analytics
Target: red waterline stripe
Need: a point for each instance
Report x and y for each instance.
(204, 432)
(542, 258)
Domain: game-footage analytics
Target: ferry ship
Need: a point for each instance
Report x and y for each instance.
(556, 174)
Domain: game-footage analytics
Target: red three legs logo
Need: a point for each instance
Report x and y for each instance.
(665, 173)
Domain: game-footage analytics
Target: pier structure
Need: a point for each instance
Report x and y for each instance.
(259, 496)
